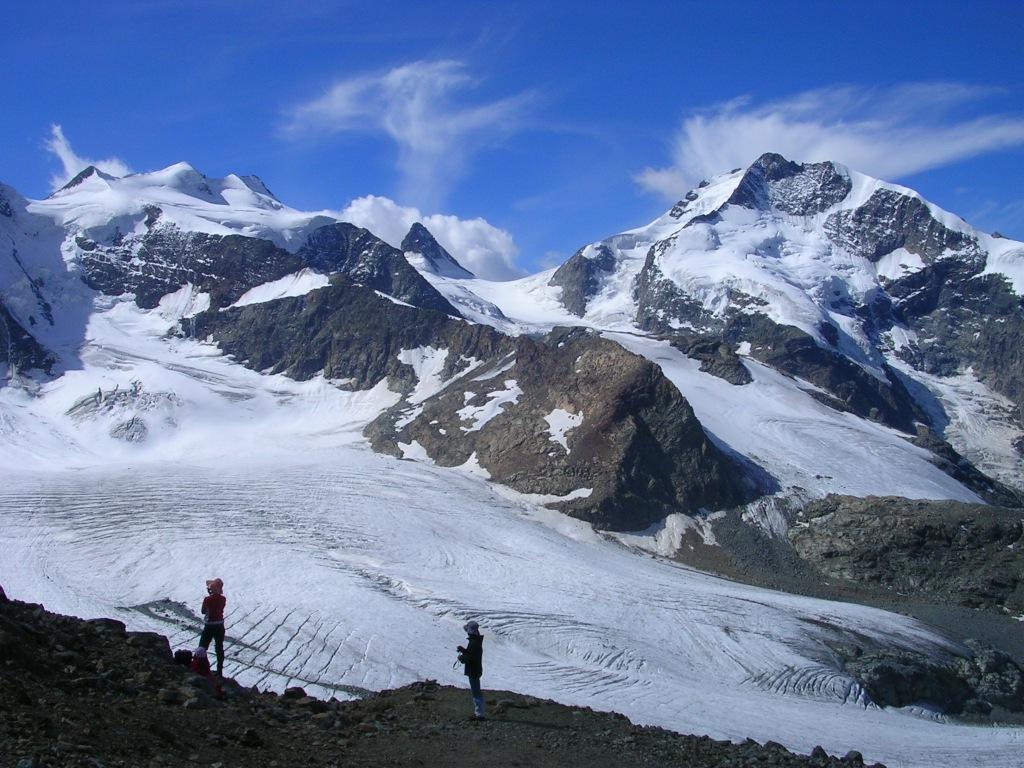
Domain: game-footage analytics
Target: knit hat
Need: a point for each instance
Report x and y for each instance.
(471, 628)
(215, 585)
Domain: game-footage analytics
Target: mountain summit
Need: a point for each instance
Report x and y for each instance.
(425, 253)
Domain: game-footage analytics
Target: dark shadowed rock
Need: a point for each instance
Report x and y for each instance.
(795, 352)
(581, 276)
(580, 419)
(436, 259)
(773, 182)
(639, 448)
(165, 258)
(716, 356)
(972, 554)
(891, 220)
(19, 348)
(368, 260)
(348, 332)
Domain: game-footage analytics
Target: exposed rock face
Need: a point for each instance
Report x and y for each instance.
(663, 307)
(580, 277)
(347, 332)
(716, 356)
(5, 206)
(964, 319)
(799, 190)
(368, 260)
(552, 417)
(18, 348)
(165, 258)
(959, 468)
(793, 351)
(577, 417)
(890, 220)
(970, 685)
(968, 553)
(436, 258)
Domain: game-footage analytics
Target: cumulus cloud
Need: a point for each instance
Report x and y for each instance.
(888, 133)
(417, 106)
(72, 163)
(487, 251)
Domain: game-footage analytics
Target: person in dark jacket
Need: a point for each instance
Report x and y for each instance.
(213, 614)
(472, 657)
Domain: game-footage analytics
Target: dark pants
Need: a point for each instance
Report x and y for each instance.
(478, 696)
(214, 632)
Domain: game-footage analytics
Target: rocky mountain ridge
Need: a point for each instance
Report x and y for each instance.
(867, 297)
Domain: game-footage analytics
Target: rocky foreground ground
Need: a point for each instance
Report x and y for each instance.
(88, 693)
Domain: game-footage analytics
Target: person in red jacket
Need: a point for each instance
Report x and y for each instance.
(213, 613)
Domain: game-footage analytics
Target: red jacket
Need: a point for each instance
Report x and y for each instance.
(213, 608)
(201, 666)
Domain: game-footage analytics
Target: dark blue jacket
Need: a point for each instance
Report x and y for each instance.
(473, 656)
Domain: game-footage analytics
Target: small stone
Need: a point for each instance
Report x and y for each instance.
(295, 692)
(250, 738)
(169, 696)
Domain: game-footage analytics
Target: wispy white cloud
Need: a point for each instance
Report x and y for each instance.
(72, 163)
(1004, 217)
(417, 106)
(486, 250)
(888, 133)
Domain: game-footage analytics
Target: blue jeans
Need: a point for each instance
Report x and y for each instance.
(478, 696)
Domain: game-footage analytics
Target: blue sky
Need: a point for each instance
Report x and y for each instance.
(558, 123)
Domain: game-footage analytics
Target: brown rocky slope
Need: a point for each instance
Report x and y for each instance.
(88, 693)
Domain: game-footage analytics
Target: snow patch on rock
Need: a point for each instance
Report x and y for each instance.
(427, 363)
(298, 284)
(496, 401)
(560, 423)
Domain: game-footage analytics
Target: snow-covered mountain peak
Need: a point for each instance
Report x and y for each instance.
(100, 206)
(426, 254)
(90, 174)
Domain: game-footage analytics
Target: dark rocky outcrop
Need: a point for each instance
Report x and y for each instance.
(970, 554)
(891, 220)
(436, 258)
(716, 356)
(19, 349)
(852, 388)
(773, 182)
(959, 468)
(662, 307)
(984, 683)
(165, 258)
(639, 447)
(634, 442)
(346, 331)
(964, 320)
(366, 259)
(89, 693)
(226, 266)
(581, 276)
